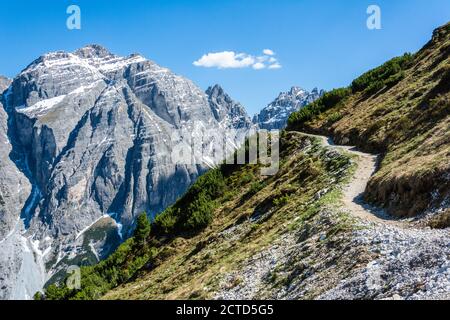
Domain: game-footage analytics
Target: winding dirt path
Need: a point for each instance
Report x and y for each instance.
(353, 192)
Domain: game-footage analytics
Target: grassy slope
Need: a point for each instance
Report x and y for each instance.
(408, 122)
(251, 216)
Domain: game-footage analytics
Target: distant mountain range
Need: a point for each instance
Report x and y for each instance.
(276, 114)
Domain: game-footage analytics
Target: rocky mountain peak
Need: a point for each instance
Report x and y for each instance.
(230, 114)
(316, 91)
(217, 94)
(295, 91)
(92, 51)
(276, 114)
(93, 136)
(215, 90)
(4, 83)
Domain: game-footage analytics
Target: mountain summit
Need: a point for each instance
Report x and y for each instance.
(232, 114)
(276, 114)
(87, 139)
(92, 51)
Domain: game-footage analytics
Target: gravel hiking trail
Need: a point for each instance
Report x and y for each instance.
(353, 192)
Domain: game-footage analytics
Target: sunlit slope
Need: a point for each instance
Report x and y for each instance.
(400, 110)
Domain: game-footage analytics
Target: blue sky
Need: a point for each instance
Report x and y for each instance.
(317, 43)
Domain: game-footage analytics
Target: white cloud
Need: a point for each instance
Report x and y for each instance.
(259, 66)
(233, 60)
(262, 59)
(276, 65)
(224, 60)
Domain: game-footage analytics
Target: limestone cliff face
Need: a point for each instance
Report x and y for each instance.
(227, 111)
(86, 139)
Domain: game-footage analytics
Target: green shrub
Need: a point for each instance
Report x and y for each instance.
(200, 213)
(194, 210)
(334, 117)
(332, 98)
(388, 74)
(165, 222)
(255, 187)
(54, 292)
(327, 101)
(281, 201)
(375, 87)
(246, 178)
(142, 230)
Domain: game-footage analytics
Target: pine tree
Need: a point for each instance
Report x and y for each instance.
(142, 230)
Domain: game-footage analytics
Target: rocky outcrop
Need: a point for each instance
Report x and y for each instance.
(89, 136)
(227, 111)
(20, 274)
(14, 186)
(4, 83)
(276, 114)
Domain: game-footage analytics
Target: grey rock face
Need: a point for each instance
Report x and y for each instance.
(14, 186)
(20, 274)
(4, 83)
(276, 114)
(228, 112)
(88, 136)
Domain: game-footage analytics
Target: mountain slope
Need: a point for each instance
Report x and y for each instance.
(249, 214)
(276, 114)
(400, 110)
(299, 234)
(289, 236)
(91, 139)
